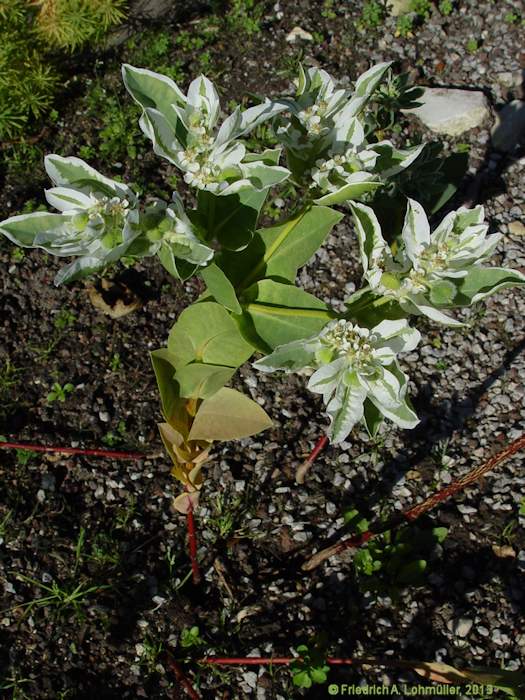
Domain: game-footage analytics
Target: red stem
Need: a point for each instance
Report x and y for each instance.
(183, 679)
(192, 542)
(415, 512)
(319, 445)
(72, 450)
(262, 661)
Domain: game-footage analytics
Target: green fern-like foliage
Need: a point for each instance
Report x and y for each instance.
(69, 24)
(30, 34)
(27, 81)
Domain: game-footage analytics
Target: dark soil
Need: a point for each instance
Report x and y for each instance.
(94, 563)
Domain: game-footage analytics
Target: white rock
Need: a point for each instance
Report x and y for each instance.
(250, 678)
(509, 128)
(516, 228)
(462, 626)
(450, 111)
(399, 7)
(466, 510)
(298, 34)
(509, 79)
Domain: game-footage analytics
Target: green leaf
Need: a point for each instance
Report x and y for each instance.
(200, 381)
(22, 229)
(373, 418)
(172, 405)
(442, 292)
(231, 219)
(228, 415)
(80, 267)
(205, 332)
(452, 172)
(292, 356)
(263, 176)
(412, 572)
(281, 313)
(482, 281)
(440, 533)
(180, 269)
(153, 90)
(393, 160)
(302, 679)
(368, 81)
(220, 288)
(279, 251)
(75, 172)
(353, 190)
(367, 309)
(318, 675)
(511, 682)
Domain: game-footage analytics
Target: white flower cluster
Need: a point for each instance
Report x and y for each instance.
(184, 129)
(327, 142)
(97, 221)
(356, 371)
(429, 271)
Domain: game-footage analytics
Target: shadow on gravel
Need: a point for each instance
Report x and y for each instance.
(438, 426)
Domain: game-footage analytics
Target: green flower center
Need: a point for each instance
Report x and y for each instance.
(351, 342)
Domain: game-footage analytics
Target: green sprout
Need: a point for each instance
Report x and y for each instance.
(59, 393)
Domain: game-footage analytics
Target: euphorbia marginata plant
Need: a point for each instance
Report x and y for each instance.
(252, 303)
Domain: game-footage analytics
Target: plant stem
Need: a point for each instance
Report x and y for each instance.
(415, 512)
(183, 679)
(192, 543)
(303, 468)
(72, 450)
(286, 660)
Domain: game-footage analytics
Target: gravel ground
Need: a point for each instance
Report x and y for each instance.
(467, 387)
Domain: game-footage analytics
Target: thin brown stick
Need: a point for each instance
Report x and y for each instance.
(72, 450)
(183, 679)
(415, 512)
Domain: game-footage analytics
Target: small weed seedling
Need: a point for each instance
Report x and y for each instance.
(61, 599)
(149, 653)
(472, 45)
(421, 8)
(512, 18)
(190, 637)
(64, 319)
(395, 559)
(405, 26)
(373, 14)
(59, 392)
(17, 255)
(446, 7)
(112, 438)
(311, 668)
(4, 522)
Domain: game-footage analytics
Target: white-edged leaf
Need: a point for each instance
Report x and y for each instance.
(345, 410)
(416, 231)
(372, 245)
(153, 90)
(23, 229)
